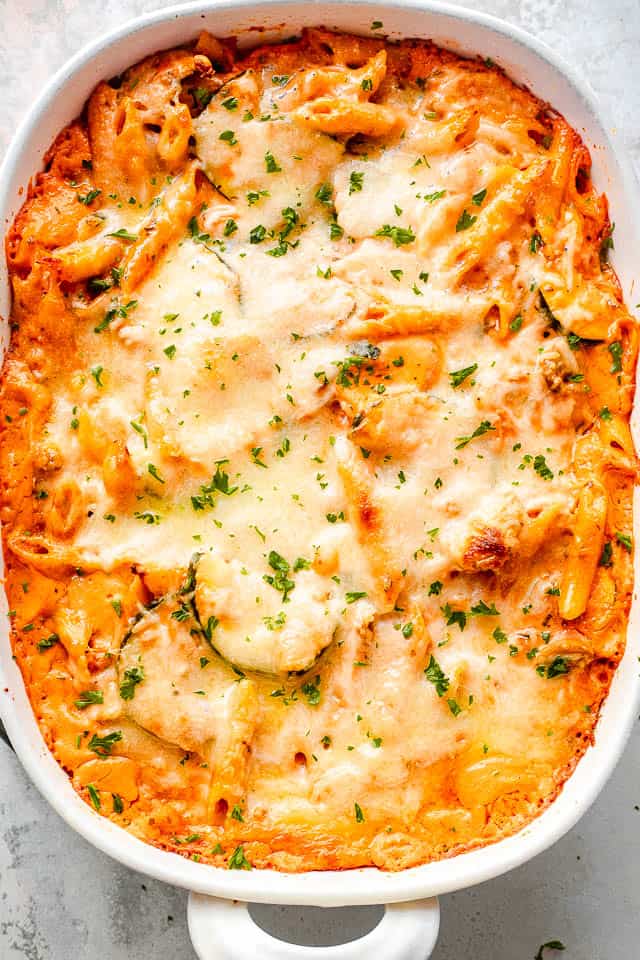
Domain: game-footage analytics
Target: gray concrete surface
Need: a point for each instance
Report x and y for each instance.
(61, 898)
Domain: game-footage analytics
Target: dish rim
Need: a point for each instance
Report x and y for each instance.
(325, 888)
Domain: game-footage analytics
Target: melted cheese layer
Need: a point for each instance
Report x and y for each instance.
(317, 498)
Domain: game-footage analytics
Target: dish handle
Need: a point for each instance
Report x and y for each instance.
(225, 930)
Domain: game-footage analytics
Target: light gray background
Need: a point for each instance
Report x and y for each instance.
(61, 898)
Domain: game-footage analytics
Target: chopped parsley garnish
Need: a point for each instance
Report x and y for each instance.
(541, 468)
(275, 623)
(182, 613)
(435, 588)
(367, 84)
(141, 430)
(219, 483)
(558, 667)
(459, 376)
(87, 698)
(615, 349)
(99, 284)
(478, 197)
(119, 310)
(484, 427)
(123, 234)
(153, 470)
(147, 516)
(104, 745)
(436, 195)
(400, 235)
(236, 813)
(312, 692)
(607, 244)
(435, 675)
(254, 195)
(255, 457)
(354, 595)
(96, 373)
(132, 677)
(231, 103)
(89, 197)
(94, 796)
(271, 163)
(483, 609)
(625, 541)
(238, 861)
(230, 228)
(356, 181)
(47, 642)
(229, 137)
(257, 234)
(324, 193)
(499, 635)
(535, 242)
(606, 557)
(202, 96)
(349, 371)
(465, 220)
(280, 579)
(359, 813)
(454, 616)
(454, 707)
(516, 323)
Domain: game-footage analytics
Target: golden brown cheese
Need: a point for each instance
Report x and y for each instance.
(316, 465)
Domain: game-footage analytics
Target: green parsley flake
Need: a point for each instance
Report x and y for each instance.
(238, 861)
(355, 595)
(104, 745)
(435, 675)
(465, 220)
(484, 427)
(615, 349)
(400, 235)
(271, 163)
(454, 616)
(356, 181)
(459, 376)
(132, 677)
(87, 698)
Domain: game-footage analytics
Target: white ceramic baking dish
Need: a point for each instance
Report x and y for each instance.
(408, 931)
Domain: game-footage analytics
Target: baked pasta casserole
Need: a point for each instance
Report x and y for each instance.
(316, 464)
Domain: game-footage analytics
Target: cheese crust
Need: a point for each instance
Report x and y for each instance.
(316, 470)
